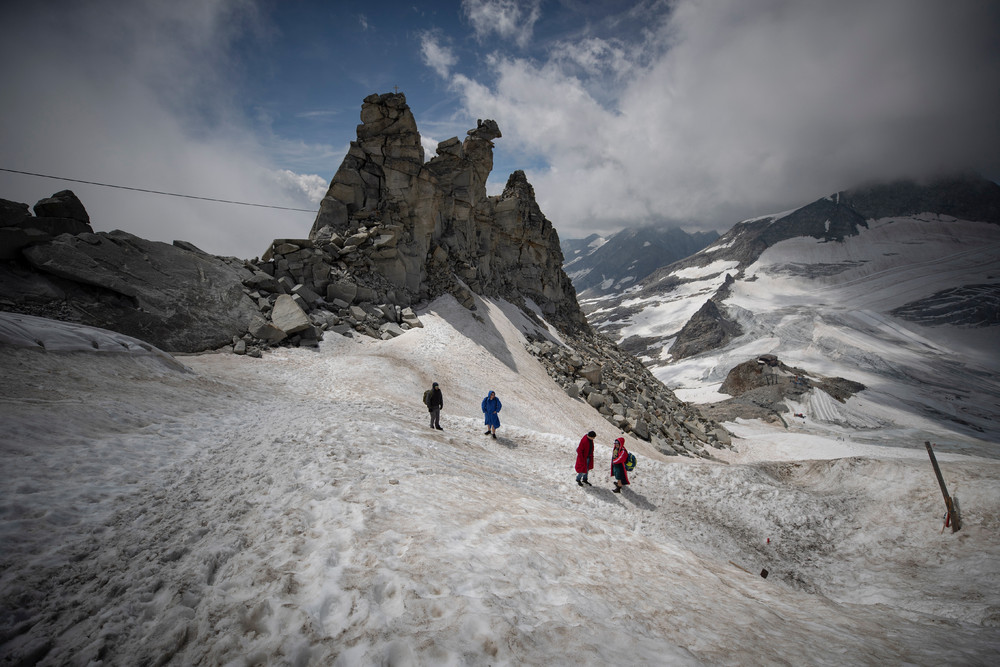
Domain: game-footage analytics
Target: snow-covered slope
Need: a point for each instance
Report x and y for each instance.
(297, 509)
(906, 305)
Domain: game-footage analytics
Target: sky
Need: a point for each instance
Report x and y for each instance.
(693, 113)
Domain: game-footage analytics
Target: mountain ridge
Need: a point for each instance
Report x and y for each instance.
(599, 266)
(825, 288)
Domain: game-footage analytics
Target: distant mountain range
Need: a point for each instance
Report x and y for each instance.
(606, 265)
(894, 286)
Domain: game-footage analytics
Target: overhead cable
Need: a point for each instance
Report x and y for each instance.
(158, 192)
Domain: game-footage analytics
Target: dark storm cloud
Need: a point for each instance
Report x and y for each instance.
(732, 109)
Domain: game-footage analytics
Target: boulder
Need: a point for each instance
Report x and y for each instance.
(592, 372)
(410, 318)
(262, 281)
(177, 300)
(596, 399)
(342, 290)
(306, 294)
(63, 204)
(390, 330)
(12, 212)
(264, 330)
(288, 316)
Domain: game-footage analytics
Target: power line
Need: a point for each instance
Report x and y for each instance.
(157, 192)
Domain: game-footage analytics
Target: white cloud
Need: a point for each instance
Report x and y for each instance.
(594, 56)
(429, 145)
(737, 108)
(138, 94)
(312, 187)
(437, 57)
(508, 19)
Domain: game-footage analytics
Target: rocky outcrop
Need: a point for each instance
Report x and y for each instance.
(616, 384)
(761, 386)
(427, 229)
(391, 231)
(182, 299)
(708, 329)
(177, 300)
(62, 213)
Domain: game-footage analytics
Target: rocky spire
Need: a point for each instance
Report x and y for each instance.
(447, 235)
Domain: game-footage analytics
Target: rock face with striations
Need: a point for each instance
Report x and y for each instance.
(175, 299)
(430, 228)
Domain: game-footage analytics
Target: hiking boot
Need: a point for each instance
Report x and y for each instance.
(587, 483)
(439, 428)
(487, 433)
(618, 489)
(494, 436)
(579, 482)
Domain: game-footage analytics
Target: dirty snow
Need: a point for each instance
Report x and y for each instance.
(297, 510)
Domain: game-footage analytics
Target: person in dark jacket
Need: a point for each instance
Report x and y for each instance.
(585, 458)
(435, 401)
(619, 455)
(491, 411)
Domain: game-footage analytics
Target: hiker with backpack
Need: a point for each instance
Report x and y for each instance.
(434, 402)
(619, 456)
(585, 458)
(491, 412)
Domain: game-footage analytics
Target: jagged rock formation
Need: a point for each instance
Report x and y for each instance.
(432, 228)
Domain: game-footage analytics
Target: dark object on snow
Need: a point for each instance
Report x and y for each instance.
(763, 573)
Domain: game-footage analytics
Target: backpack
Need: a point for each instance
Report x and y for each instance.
(427, 397)
(630, 462)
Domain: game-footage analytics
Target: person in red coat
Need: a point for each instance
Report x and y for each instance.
(585, 458)
(619, 455)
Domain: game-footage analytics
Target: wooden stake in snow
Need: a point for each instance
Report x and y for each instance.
(951, 503)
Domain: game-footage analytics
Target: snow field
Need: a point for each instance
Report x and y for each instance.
(935, 383)
(298, 510)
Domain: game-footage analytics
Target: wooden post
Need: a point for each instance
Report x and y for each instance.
(950, 504)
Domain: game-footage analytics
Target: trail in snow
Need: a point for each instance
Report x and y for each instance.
(312, 517)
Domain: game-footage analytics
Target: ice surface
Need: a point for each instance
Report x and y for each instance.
(826, 307)
(297, 509)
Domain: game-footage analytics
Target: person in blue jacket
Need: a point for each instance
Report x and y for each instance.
(491, 410)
